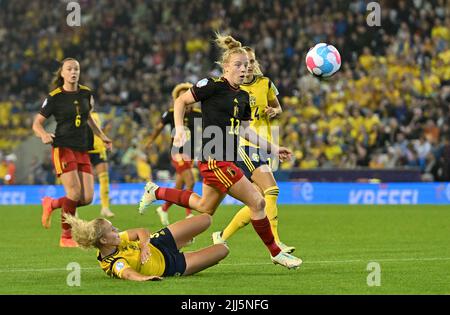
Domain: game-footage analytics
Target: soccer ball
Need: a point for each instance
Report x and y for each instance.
(323, 60)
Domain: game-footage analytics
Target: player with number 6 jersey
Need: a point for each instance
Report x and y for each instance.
(71, 104)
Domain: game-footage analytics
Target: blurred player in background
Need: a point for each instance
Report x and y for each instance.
(225, 115)
(140, 256)
(99, 159)
(182, 163)
(71, 104)
(253, 161)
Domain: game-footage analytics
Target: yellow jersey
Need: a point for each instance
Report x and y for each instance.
(261, 91)
(128, 255)
(98, 145)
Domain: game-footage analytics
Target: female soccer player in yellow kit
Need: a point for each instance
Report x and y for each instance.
(254, 162)
(140, 256)
(99, 160)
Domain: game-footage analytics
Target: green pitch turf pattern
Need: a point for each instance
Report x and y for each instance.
(410, 244)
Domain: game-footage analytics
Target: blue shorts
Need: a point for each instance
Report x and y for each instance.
(175, 261)
(250, 158)
(97, 158)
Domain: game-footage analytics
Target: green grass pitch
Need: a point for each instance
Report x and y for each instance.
(336, 243)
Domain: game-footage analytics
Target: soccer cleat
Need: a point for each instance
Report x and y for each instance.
(47, 210)
(148, 197)
(67, 242)
(163, 216)
(190, 215)
(287, 260)
(217, 238)
(107, 213)
(286, 249)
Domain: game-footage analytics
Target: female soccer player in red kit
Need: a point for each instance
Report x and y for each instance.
(71, 104)
(226, 113)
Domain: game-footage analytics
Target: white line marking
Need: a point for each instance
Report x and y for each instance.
(317, 262)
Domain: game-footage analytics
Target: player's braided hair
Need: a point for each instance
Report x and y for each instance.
(229, 45)
(180, 87)
(86, 233)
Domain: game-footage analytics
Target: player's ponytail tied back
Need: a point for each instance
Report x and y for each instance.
(86, 233)
(229, 45)
(227, 42)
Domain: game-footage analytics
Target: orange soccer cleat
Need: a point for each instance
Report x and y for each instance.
(46, 212)
(67, 242)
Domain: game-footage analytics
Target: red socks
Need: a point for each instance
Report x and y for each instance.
(68, 206)
(176, 196)
(57, 203)
(166, 206)
(262, 227)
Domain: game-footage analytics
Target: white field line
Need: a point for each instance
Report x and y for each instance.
(317, 262)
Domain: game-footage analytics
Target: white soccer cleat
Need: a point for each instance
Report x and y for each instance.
(163, 216)
(217, 238)
(148, 197)
(190, 215)
(287, 260)
(286, 249)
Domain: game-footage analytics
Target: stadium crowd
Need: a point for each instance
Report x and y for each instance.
(388, 107)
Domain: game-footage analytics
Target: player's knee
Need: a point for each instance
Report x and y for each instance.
(207, 220)
(204, 207)
(73, 194)
(260, 204)
(224, 251)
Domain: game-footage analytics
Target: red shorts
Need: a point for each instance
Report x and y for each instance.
(220, 174)
(181, 163)
(66, 160)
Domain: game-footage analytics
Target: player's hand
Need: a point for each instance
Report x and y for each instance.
(284, 154)
(47, 138)
(145, 253)
(152, 278)
(270, 112)
(107, 142)
(180, 137)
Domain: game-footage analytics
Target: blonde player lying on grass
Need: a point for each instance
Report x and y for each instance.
(140, 256)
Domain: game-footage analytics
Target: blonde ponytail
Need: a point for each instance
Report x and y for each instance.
(86, 233)
(229, 45)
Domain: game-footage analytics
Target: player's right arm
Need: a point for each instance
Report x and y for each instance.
(131, 274)
(121, 269)
(179, 109)
(165, 119)
(38, 123)
(39, 130)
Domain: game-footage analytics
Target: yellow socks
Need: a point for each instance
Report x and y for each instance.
(271, 198)
(103, 179)
(242, 218)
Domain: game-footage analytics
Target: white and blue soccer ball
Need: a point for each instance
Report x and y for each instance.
(323, 60)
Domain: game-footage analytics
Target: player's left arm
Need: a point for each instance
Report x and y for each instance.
(273, 108)
(143, 236)
(250, 135)
(96, 128)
